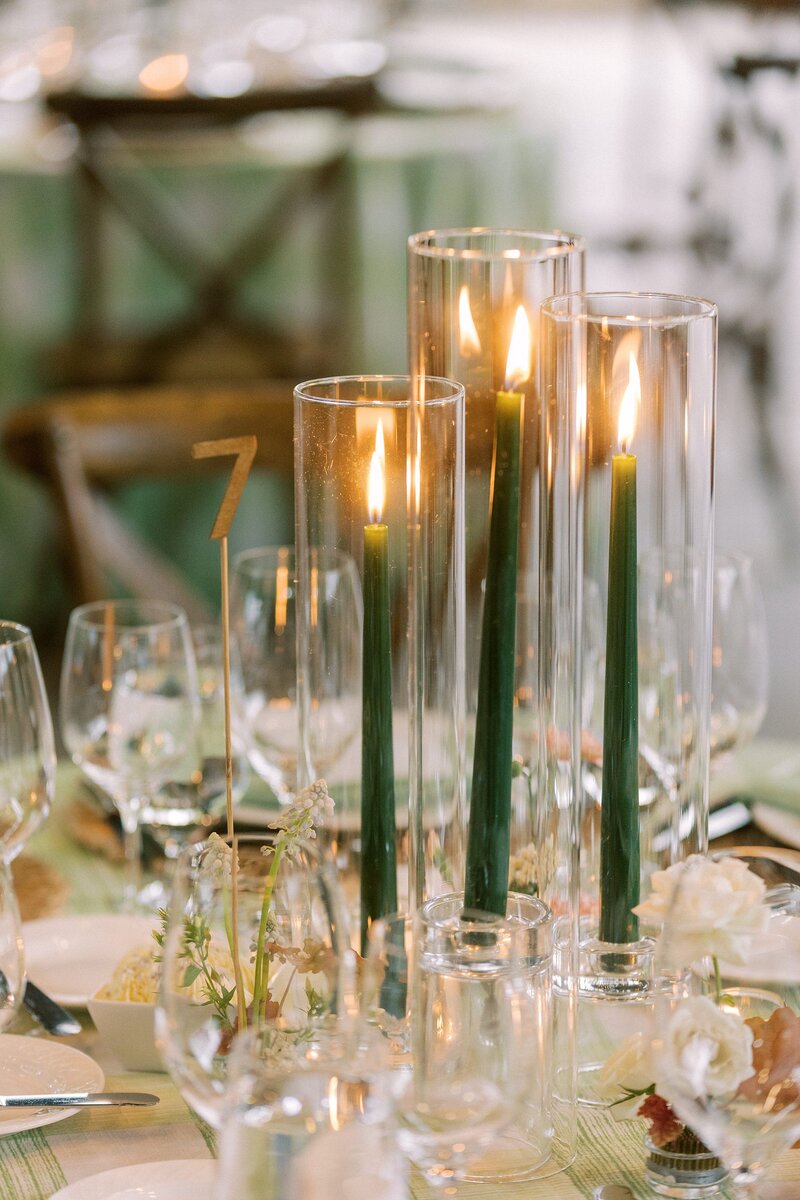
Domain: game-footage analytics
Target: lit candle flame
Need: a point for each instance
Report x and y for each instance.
(518, 363)
(469, 342)
(376, 481)
(630, 406)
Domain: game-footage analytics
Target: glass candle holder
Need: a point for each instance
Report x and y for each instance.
(474, 299)
(379, 480)
(628, 389)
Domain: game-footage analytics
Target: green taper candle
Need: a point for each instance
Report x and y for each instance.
(619, 823)
(378, 855)
(488, 841)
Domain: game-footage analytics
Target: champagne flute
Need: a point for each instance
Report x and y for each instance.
(129, 706)
(27, 743)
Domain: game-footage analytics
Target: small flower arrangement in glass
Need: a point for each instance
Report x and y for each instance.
(260, 945)
(720, 1078)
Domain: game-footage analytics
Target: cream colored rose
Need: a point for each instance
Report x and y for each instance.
(706, 1051)
(711, 908)
(629, 1068)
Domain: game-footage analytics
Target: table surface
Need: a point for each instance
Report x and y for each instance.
(36, 1164)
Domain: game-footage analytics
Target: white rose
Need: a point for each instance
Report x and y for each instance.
(629, 1068)
(711, 908)
(707, 1051)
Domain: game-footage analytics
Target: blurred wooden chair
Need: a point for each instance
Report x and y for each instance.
(84, 446)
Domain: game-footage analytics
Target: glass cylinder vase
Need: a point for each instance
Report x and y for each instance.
(474, 299)
(382, 486)
(634, 376)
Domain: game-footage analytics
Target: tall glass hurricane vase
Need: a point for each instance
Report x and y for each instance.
(474, 300)
(382, 491)
(635, 375)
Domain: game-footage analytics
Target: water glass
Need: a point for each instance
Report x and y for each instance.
(27, 744)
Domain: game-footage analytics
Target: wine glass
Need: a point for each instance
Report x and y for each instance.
(263, 619)
(129, 706)
(27, 744)
(727, 1059)
(12, 962)
(739, 664)
(194, 796)
(281, 963)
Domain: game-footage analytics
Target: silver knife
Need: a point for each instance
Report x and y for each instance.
(51, 1016)
(82, 1100)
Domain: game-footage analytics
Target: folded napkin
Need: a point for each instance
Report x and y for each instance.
(767, 772)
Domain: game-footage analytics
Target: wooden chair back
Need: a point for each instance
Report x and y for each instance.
(83, 446)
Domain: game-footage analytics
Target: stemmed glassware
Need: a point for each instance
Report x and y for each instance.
(739, 664)
(27, 744)
(12, 966)
(193, 798)
(727, 1059)
(129, 707)
(263, 619)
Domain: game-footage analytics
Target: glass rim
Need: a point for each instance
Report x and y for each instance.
(303, 393)
(560, 309)
(485, 922)
(13, 633)
(556, 243)
(93, 615)
(250, 838)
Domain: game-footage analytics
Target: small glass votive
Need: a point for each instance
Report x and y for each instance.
(310, 1121)
(476, 1101)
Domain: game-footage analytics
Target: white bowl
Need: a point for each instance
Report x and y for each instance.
(128, 1028)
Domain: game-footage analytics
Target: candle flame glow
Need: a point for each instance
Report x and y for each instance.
(165, 74)
(376, 480)
(469, 342)
(518, 363)
(630, 406)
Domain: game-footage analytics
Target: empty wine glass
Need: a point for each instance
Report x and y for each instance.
(194, 796)
(27, 744)
(739, 664)
(263, 619)
(129, 706)
(727, 1059)
(12, 968)
(280, 964)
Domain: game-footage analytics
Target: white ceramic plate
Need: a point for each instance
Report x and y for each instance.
(181, 1179)
(31, 1065)
(71, 957)
(784, 827)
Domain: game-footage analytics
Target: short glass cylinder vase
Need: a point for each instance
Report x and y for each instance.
(685, 1169)
(379, 479)
(634, 377)
(477, 1101)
